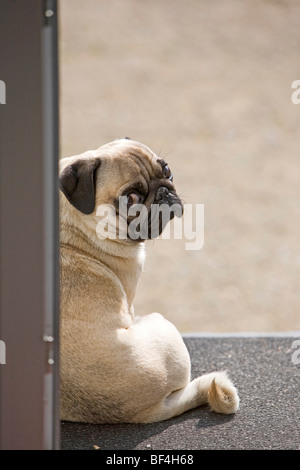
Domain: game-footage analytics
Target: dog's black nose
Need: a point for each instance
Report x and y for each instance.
(161, 193)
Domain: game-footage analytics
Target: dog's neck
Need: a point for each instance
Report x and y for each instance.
(124, 259)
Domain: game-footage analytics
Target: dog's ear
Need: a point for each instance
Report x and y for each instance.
(77, 182)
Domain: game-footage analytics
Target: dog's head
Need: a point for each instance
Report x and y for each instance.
(128, 177)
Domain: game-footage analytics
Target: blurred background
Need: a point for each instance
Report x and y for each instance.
(206, 85)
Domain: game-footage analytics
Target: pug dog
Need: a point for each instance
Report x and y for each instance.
(117, 367)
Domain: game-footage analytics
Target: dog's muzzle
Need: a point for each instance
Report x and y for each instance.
(161, 194)
(165, 207)
(165, 195)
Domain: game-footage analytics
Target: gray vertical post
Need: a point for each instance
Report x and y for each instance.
(29, 416)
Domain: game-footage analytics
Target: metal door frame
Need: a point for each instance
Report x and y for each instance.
(29, 279)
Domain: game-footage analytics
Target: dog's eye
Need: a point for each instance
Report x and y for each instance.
(167, 172)
(133, 198)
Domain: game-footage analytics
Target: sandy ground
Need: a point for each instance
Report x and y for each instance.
(207, 85)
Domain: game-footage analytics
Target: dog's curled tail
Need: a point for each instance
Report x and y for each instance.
(222, 395)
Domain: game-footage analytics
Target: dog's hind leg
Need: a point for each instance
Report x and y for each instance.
(214, 388)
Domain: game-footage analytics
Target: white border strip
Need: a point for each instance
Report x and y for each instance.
(244, 334)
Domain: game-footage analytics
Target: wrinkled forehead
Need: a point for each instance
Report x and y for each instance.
(124, 156)
(127, 148)
(123, 145)
(131, 157)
